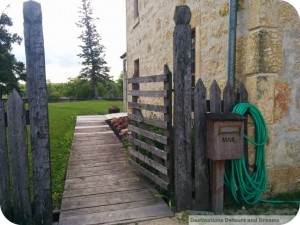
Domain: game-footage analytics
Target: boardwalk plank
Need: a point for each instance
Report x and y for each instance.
(97, 164)
(96, 156)
(97, 172)
(101, 167)
(96, 148)
(100, 183)
(107, 177)
(106, 199)
(101, 186)
(108, 208)
(116, 217)
(134, 185)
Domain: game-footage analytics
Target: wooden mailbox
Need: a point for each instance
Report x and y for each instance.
(225, 140)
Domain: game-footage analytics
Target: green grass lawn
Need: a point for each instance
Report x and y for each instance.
(62, 118)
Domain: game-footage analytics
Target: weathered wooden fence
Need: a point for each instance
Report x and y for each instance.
(205, 102)
(182, 165)
(14, 163)
(151, 139)
(16, 160)
(192, 169)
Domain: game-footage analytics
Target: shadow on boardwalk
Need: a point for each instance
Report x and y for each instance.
(101, 187)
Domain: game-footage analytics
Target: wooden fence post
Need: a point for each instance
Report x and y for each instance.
(182, 108)
(201, 165)
(38, 111)
(4, 169)
(17, 139)
(215, 107)
(168, 132)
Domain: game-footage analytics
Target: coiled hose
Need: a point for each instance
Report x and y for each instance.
(245, 187)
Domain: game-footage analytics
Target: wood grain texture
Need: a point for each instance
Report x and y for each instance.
(148, 79)
(228, 98)
(38, 112)
(215, 98)
(148, 107)
(182, 108)
(156, 151)
(163, 184)
(152, 122)
(121, 216)
(104, 187)
(5, 193)
(156, 137)
(201, 161)
(17, 140)
(149, 161)
(168, 132)
(160, 160)
(138, 93)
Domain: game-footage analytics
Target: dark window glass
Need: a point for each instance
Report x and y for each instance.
(136, 74)
(136, 9)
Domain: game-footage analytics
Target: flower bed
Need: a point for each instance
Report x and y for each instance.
(119, 126)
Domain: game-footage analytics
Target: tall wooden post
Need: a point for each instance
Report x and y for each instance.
(182, 108)
(38, 109)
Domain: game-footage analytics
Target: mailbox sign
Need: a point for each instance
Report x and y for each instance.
(225, 139)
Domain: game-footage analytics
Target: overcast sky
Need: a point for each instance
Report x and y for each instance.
(60, 33)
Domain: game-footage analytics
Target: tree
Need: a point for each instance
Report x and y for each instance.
(119, 82)
(11, 70)
(77, 88)
(95, 67)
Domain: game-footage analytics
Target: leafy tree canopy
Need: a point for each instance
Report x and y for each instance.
(11, 70)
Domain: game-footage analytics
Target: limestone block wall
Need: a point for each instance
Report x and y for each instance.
(268, 62)
(150, 37)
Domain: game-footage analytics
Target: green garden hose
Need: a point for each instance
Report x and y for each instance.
(245, 187)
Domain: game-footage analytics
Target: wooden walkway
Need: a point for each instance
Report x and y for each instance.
(101, 187)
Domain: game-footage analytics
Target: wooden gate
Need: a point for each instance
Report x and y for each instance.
(151, 152)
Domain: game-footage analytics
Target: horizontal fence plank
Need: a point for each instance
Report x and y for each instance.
(156, 137)
(151, 176)
(148, 107)
(148, 79)
(148, 161)
(152, 122)
(156, 151)
(138, 93)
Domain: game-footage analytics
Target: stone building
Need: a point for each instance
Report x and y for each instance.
(268, 62)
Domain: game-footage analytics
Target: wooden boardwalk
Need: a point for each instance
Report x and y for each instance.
(101, 187)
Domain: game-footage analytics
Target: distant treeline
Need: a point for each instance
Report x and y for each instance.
(78, 90)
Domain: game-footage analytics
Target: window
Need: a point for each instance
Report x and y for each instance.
(136, 74)
(136, 9)
(193, 57)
